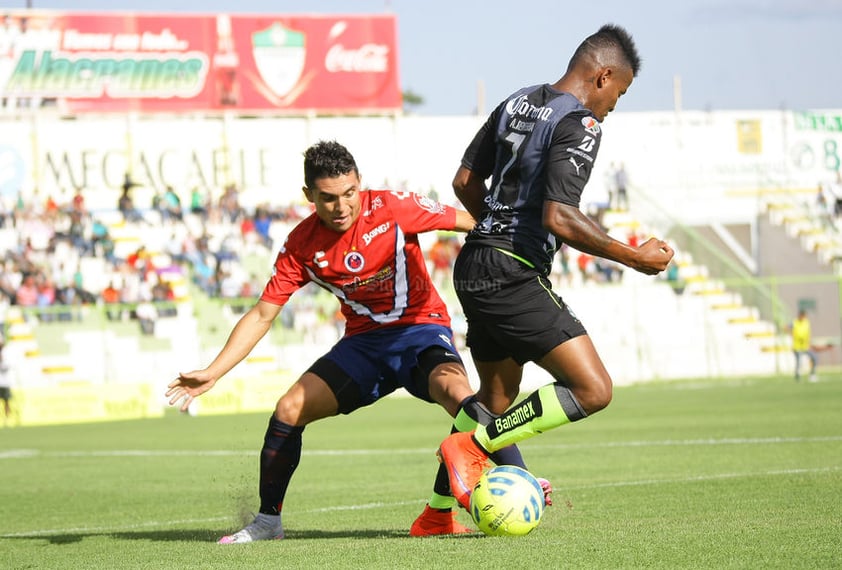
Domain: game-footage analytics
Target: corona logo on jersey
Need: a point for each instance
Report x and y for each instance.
(526, 110)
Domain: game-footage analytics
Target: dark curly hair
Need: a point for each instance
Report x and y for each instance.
(611, 44)
(327, 159)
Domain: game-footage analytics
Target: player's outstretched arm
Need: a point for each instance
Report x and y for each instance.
(577, 230)
(246, 333)
(465, 222)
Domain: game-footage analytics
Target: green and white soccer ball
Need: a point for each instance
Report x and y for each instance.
(507, 501)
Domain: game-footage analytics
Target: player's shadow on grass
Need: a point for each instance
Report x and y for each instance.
(187, 535)
(211, 536)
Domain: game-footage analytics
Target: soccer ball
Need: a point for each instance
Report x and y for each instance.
(507, 501)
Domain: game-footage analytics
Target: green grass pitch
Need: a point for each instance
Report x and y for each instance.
(742, 473)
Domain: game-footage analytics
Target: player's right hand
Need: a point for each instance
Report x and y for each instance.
(184, 389)
(653, 256)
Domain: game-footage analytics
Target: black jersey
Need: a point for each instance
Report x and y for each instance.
(537, 145)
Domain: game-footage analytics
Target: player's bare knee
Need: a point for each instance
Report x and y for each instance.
(598, 402)
(442, 376)
(596, 396)
(601, 396)
(288, 409)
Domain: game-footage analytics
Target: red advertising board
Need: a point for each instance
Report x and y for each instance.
(117, 61)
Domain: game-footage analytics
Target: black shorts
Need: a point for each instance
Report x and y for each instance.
(510, 308)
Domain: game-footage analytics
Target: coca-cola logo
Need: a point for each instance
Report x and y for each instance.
(368, 58)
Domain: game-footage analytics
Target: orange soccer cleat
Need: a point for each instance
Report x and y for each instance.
(465, 461)
(433, 522)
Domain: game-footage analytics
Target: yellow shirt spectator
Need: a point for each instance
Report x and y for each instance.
(802, 344)
(801, 333)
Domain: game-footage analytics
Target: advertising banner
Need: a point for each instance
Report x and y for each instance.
(176, 63)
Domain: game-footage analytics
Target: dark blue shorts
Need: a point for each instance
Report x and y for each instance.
(362, 368)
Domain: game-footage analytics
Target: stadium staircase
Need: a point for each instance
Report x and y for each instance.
(814, 227)
(691, 325)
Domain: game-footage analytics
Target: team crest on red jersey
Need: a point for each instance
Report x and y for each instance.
(354, 261)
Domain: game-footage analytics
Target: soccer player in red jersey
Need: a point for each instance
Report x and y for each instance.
(362, 246)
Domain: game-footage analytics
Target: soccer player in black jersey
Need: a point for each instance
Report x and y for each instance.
(538, 148)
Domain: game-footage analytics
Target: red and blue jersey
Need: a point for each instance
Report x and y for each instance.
(376, 268)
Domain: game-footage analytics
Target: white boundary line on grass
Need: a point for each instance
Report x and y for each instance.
(34, 453)
(712, 477)
(378, 505)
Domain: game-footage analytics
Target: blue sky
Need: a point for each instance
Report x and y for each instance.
(738, 54)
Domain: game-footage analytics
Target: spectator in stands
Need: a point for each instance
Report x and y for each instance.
(46, 297)
(230, 285)
(621, 182)
(101, 242)
(836, 192)
(610, 181)
(19, 209)
(157, 204)
(442, 253)
(111, 296)
(585, 263)
(198, 203)
(77, 203)
(146, 314)
(202, 261)
(126, 203)
(51, 209)
(172, 205)
(673, 277)
(262, 226)
(67, 294)
(5, 212)
(27, 292)
(249, 287)
(141, 262)
(565, 277)
(610, 271)
(229, 204)
(802, 344)
(36, 231)
(823, 209)
(162, 296)
(76, 234)
(247, 231)
(8, 284)
(5, 385)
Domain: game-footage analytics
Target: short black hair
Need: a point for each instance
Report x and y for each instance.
(611, 42)
(327, 159)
